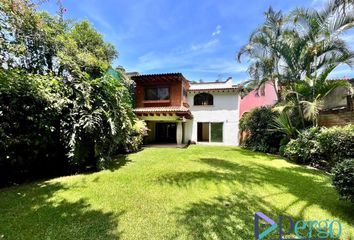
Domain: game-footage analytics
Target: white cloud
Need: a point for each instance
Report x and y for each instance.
(217, 30)
(178, 58)
(206, 46)
(220, 66)
(188, 61)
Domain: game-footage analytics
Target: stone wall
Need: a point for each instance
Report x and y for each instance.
(333, 118)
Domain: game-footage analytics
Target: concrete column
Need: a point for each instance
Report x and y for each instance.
(179, 133)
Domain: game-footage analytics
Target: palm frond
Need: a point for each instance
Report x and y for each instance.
(282, 123)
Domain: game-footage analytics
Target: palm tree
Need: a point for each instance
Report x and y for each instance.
(299, 51)
(342, 5)
(261, 50)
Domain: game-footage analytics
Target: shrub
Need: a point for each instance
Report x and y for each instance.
(135, 140)
(260, 136)
(336, 143)
(48, 128)
(282, 150)
(30, 139)
(305, 148)
(61, 108)
(322, 147)
(343, 179)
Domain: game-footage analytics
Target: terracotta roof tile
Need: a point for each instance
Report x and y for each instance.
(214, 89)
(161, 109)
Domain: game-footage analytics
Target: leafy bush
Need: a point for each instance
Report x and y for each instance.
(48, 128)
(322, 147)
(135, 140)
(337, 143)
(305, 148)
(343, 179)
(30, 140)
(260, 135)
(66, 110)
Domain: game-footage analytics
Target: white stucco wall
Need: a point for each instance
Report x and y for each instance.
(225, 109)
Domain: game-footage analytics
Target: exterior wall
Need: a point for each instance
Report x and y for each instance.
(185, 87)
(225, 110)
(336, 98)
(176, 94)
(339, 118)
(253, 100)
(151, 132)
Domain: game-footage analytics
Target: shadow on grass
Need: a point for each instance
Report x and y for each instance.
(211, 219)
(32, 212)
(230, 217)
(252, 154)
(118, 162)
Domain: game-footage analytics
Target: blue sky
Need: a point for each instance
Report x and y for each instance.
(196, 37)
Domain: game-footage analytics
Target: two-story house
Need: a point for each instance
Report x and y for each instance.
(178, 111)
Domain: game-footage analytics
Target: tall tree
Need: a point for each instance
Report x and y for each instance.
(264, 66)
(300, 50)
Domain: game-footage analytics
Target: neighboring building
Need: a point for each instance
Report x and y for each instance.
(338, 107)
(178, 111)
(339, 98)
(265, 96)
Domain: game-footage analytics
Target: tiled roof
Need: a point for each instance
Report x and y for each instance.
(159, 74)
(212, 82)
(159, 77)
(161, 109)
(211, 85)
(214, 89)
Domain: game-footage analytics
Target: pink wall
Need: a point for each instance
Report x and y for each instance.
(253, 100)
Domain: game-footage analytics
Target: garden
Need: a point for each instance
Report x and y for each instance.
(200, 192)
(71, 162)
(296, 52)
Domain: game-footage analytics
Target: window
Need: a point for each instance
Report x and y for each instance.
(210, 132)
(203, 99)
(157, 93)
(216, 132)
(203, 132)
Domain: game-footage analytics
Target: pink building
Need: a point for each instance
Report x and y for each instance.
(263, 97)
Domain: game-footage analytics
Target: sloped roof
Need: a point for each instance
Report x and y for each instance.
(161, 109)
(211, 85)
(178, 110)
(159, 77)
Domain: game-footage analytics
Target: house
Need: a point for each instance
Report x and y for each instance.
(338, 107)
(265, 96)
(339, 98)
(179, 111)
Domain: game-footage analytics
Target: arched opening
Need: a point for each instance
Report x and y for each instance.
(203, 99)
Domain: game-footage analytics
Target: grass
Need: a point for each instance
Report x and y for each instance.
(195, 193)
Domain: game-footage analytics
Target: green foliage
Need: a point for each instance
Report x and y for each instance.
(283, 124)
(297, 52)
(260, 135)
(30, 112)
(66, 110)
(43, 44)
(322, 147)
(343, 179)
(305, 148)
(337, 143)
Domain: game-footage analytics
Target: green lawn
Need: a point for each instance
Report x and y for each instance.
(194, 193)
